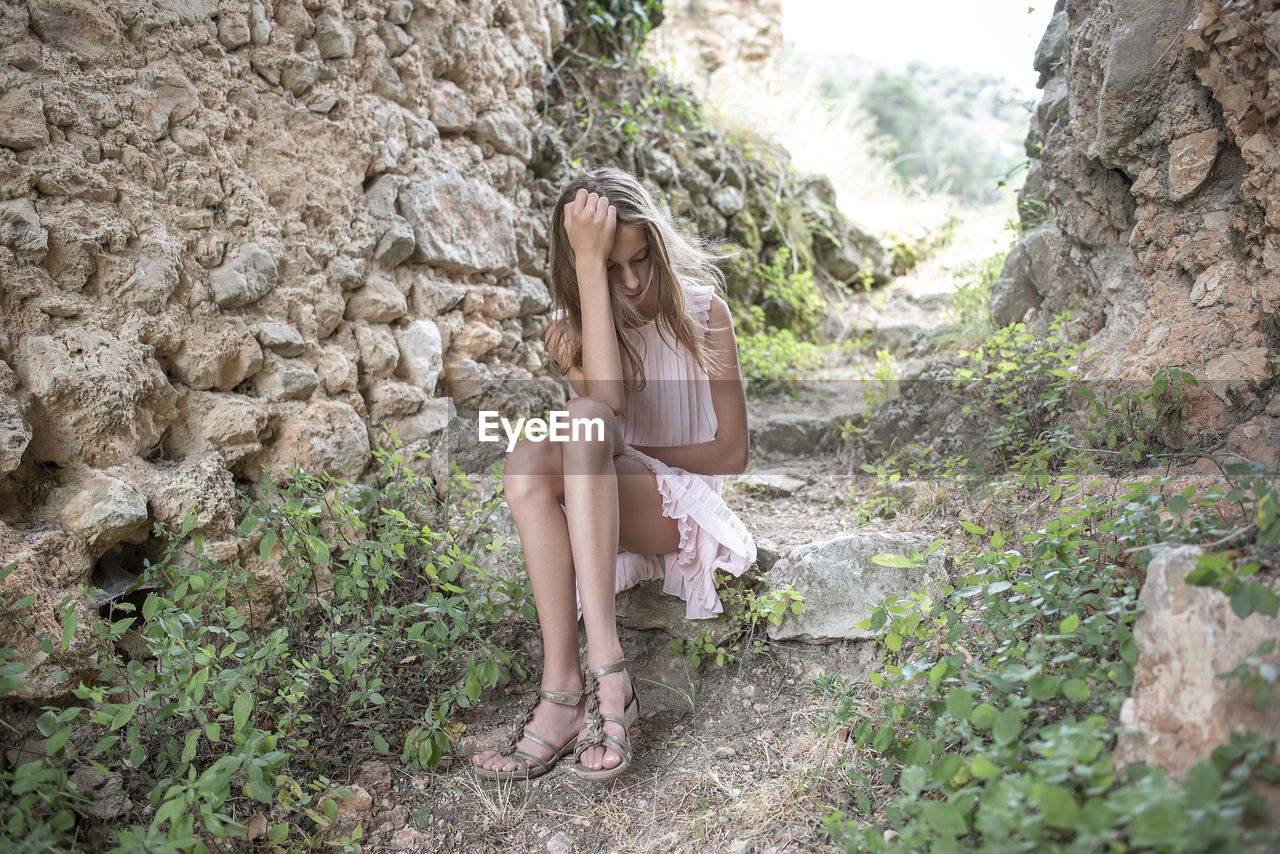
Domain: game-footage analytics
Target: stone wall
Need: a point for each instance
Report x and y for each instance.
(1153, 201)
(242, 234)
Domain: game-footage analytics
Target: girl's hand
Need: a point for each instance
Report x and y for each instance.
(590, 222)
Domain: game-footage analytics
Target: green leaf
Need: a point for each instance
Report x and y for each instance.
(1008, 725)
(1058, 805)
(984, 716)
(972, 528)
(937, 672)
(69, 618)
(960, 704)
(983, 768)
(1043, 687)
(1203, 784)
(1160, 825)
(945, 818)
(1069, 624)
(1075, 690)
(240, 710)
(894, 561)
(913, 780)
(57, 741)
(893, 641)
(267, 545)
(279, 833)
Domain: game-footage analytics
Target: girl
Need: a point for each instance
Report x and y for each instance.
(649, 349)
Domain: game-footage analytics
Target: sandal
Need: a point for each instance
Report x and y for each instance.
(534, 766)
(595, 734)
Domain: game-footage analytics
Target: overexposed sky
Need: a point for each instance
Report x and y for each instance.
(988, 36)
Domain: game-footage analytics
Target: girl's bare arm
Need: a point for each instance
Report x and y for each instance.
(727, 452)
(590, 222)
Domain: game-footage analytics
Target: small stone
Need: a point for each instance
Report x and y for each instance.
(396, 39)
(259, 23)
(283, 381)
(396, 244)
(379, 354)
(233, 29)
(281, 338)
(450, 108)
(400, 11)
(391, 399)
(104, 510)
(333, 37)
(22, 121)
(379, 301)
(246, 278)
(771, 482)
(421, 354)
(728, 200)
(20, 229)
(476, 338)
(1190, 159)
(387, 82)
(328, 435)
(433, 417)
(15, 435)
(347, 273)
(725, 752)
(504, 132)
(298, 75)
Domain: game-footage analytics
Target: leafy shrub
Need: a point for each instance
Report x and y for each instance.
(747, 609)
(790, 297)
(381, 628)
(991, 721)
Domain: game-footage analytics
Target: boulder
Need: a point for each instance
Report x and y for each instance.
(378, 351)
(281, 338)
(103, 510)
(20, 229)
(460, 223)
(217, 353)
(841, 584)
(99, 398)
(328, 436)
(504, 132)
(1180, 710)
(15, 434)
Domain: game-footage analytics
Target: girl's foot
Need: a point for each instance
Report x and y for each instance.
(615, 692)
(557, 723)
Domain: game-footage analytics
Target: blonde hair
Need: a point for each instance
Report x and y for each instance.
(677, 258)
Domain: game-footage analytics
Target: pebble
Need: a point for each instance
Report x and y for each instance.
(725, 752)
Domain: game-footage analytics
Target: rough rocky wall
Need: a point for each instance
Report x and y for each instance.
(241, 233)
(1154, 200)
(722, 42)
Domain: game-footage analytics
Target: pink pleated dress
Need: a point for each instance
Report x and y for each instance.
(674, 409)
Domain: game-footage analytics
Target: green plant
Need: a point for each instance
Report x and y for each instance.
(614, 28)
(364, 619)
(746, 613)
(791, 298)
(881, 384)
(992, 716)
(1137, 424)
(1021, 383)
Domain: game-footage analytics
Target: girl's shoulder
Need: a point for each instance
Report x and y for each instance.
(699, 297)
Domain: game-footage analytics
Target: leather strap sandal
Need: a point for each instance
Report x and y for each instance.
(534, 766)
(594, 734)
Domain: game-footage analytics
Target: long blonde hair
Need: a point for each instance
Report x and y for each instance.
(677, 258)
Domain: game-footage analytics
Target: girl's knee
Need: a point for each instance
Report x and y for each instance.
(592, 409)
(532, 467)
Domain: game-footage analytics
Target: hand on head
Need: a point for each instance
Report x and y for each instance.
(590, 222)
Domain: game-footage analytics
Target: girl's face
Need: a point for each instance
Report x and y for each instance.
(630, 268)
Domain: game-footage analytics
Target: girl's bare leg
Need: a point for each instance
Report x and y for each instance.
(533, 484)
(608, 498)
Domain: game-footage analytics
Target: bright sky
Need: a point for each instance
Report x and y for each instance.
(991, 36)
